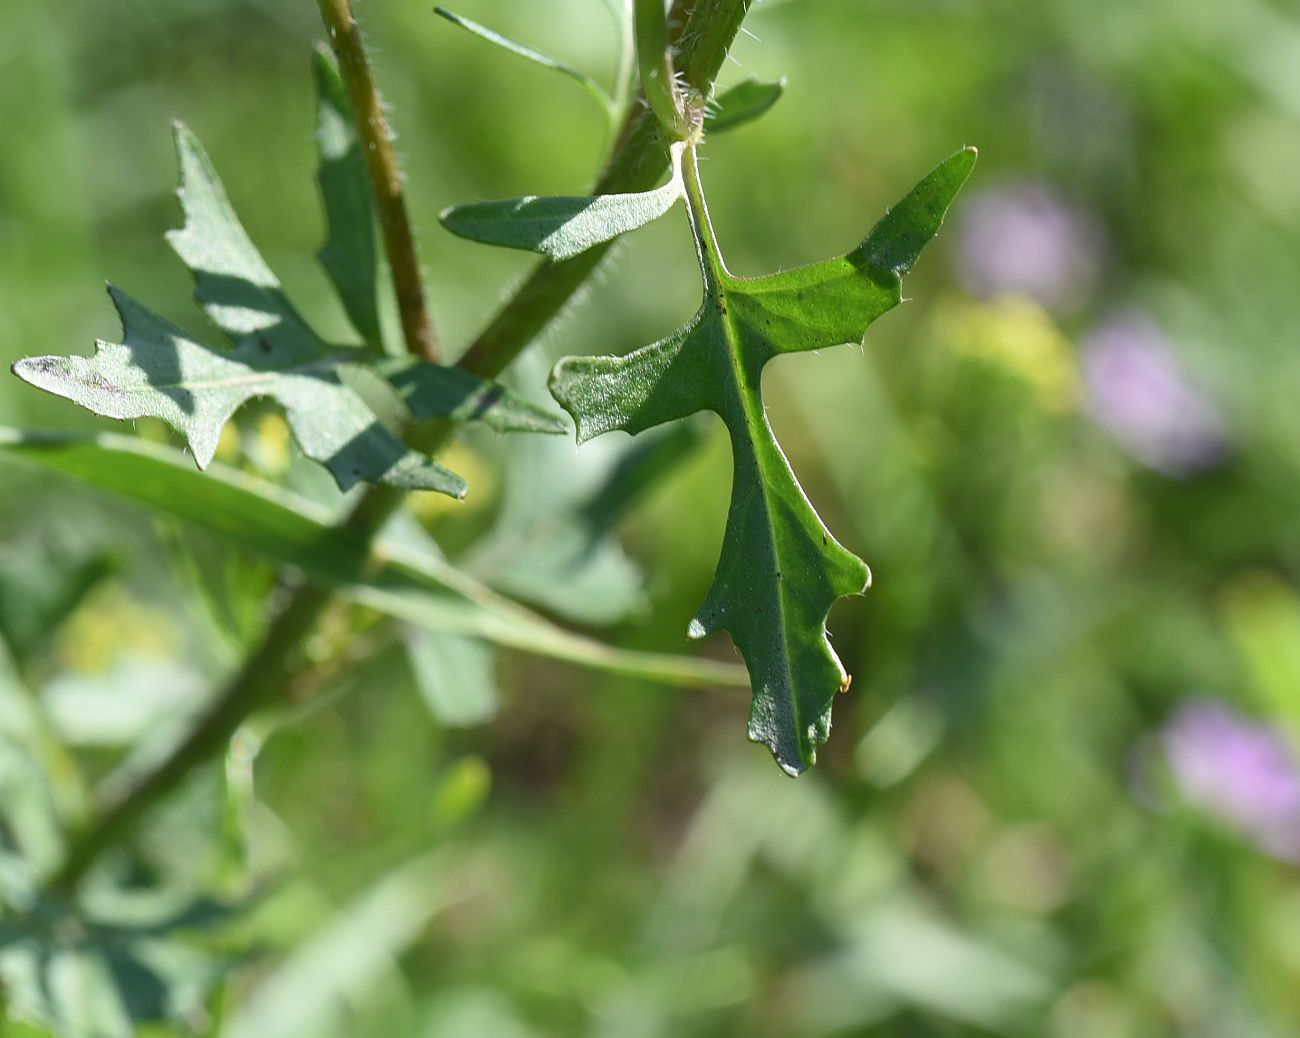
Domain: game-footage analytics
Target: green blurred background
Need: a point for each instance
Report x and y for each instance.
(1062, 796)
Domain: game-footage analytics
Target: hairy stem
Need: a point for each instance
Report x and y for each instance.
(638, 160)
(385, 177)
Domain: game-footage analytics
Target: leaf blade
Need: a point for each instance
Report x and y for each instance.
(559, 227)
(437, 391)
(741, 104)
(350, 254)
(780, 570)
(530, 54)
(290, 530)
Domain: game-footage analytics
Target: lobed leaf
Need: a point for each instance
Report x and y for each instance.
(780, 569)
(159, 371)
(559, 227)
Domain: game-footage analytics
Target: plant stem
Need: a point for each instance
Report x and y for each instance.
(385, 177)
(637, 161)
(268, 670)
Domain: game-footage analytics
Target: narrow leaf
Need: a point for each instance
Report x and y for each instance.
(529, 54)
(780, 570)
(432, 390)
(318, 988)
(350, 255)
(559, 227)
(742, 104)
(411, 585)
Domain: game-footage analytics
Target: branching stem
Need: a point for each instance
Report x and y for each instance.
(637, 160)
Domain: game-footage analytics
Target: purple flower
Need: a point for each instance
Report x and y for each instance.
(1241, 772)
(1139, 393)
(1023, 239)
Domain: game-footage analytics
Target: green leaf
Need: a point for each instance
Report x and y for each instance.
(742, 104)
(455, 677)
(318, 989)
(559, 227)
(553, 544)
(159, 371)
(431, 390)
(350, 254)
(529, 54)
(99, 968)
(780, 569)
(40, 588)
(404, 582)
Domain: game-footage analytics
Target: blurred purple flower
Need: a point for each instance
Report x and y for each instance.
(1139, 393)
(1242, 772)
(1024, 239)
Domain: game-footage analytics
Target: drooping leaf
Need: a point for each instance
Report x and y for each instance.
(562, 226)
(529, 54)
(160, 371)
(406, 583)
(350, 254)
(741, 104)
(432, 390)
(780, 569)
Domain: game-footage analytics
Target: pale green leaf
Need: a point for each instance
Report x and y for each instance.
(553, 544)
(404, 582)
(529, 54)
(741, 104)
(455, 677)
(350, 254)
(780, 570)
(159, 371)
(322, 983)
(562, 226)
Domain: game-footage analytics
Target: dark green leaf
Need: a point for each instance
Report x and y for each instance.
(742, 104)
(780, 569)
(559, 227)
(431, 390)
(350, 255)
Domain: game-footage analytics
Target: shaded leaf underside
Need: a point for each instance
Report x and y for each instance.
(780, 569)
(159, 371)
